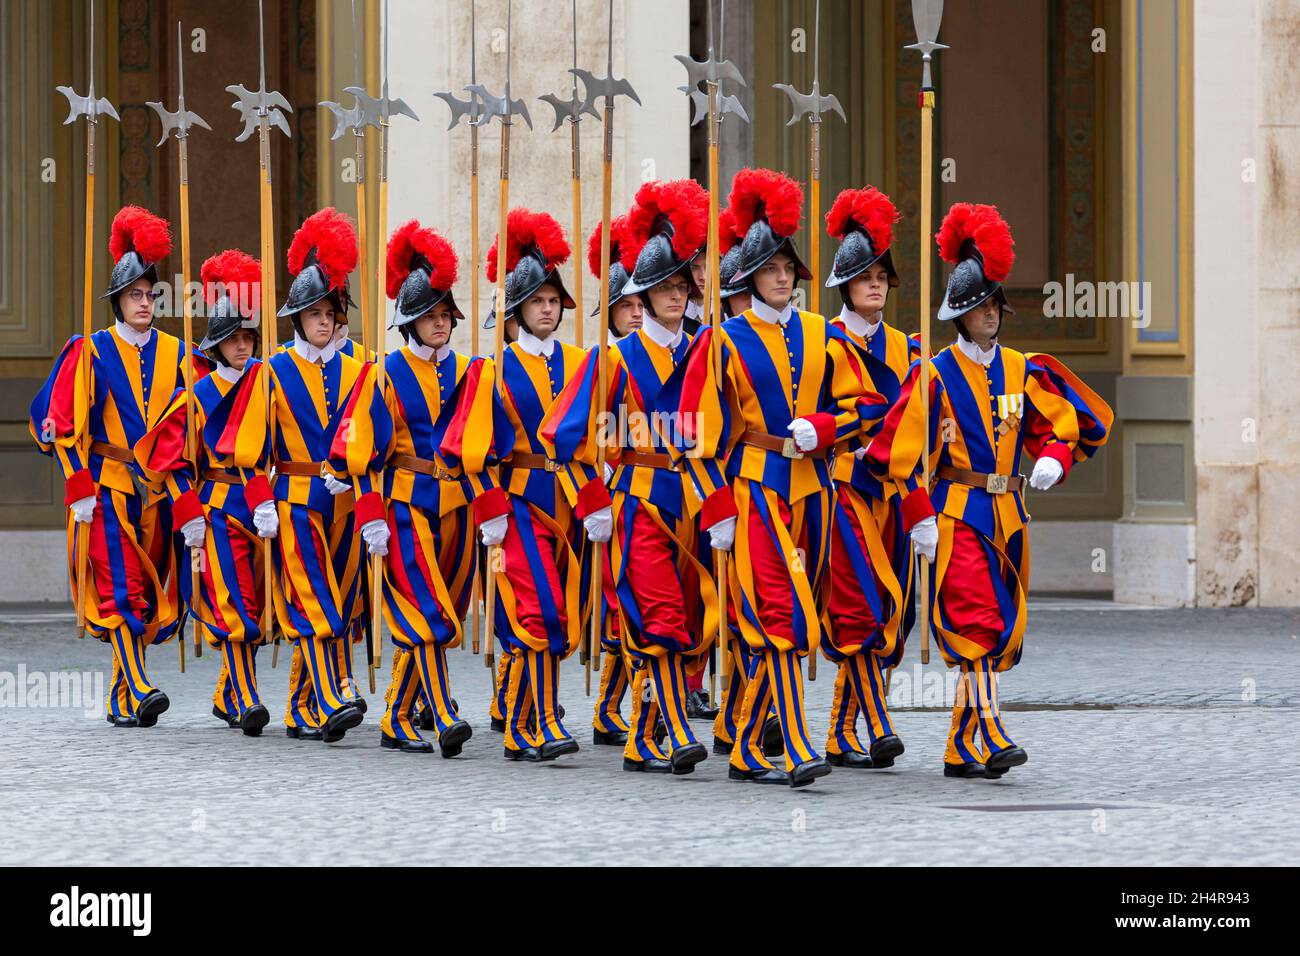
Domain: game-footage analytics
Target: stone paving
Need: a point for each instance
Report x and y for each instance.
(1155, 737)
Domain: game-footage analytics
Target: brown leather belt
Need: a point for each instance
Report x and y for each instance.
(785, 446)
(302, 469)
(526, 459)
(106, 450)
(421, 466)
(993, 484)
(648, 459)
(219, 476)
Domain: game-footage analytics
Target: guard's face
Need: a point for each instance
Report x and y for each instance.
(983, 321)
(739, 303)
(434, 327)
(668, 299)
(510, 331)
(775, 280)
(237, 348)
(697, 272)
(626, 317)
(318, 322)
(541, 311)
(135, 302)
(869, 291)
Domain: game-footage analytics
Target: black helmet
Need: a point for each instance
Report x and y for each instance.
(618, 274)
(232, 287)
(537, 248)
(977, 240)
(139, 241)
(863, 220)
(667, 227)
(767, 207)
(323, 252)
(421, 270)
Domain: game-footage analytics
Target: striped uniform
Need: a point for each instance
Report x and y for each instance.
(665, 593)
(871, 603)
(132, 597)
(772, 373)
(1021, 402)
(542, 587)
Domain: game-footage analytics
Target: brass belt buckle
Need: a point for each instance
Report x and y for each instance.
(324, 472)
(996, 484)
(789, 449)
(551, 466)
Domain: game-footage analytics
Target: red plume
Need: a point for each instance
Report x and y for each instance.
(527, 228)
(869, 209)
(686, 205)
(986, 227)
(236, 273)
(727, 234)
(618, 245)
(334, 237)
(139, 229)
(411, 238)
(766, 194)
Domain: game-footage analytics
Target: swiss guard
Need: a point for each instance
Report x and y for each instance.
(870, 603)
(666, 596)
(971, 521)
(326, 506)
(757, 441)
(542, 592)
(430, 566)
(131, 595)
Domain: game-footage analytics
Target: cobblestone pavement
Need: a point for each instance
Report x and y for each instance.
(1155, 737)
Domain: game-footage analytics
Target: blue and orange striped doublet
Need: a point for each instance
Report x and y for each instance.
(773, 373)
(132, 597)
(662, 582)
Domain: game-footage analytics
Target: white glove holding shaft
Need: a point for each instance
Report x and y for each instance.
(722, 534)
(266, 520)
(599, 524)
(194, 531)
(83, 509)
(1047, 472)
(336, 487)
(493, 531)
(805, 435)
(925, 537)
(375, 535)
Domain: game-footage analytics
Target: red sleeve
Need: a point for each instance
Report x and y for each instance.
(80, 485)
(491, 504)
(593, 496)
(370, 507)
(824, 422)
(915, 508)
(257, 490)
(186, 508)
(717, 507)
(1059, 451)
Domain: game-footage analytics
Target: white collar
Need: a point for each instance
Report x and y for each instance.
(659, 335)
(428, 353)
(535, 346)
(694, 310)
(972, 351)
(857, 324)
(340, 335)
(230, 373)
(769, 314)
(311, 353)
(131, 337)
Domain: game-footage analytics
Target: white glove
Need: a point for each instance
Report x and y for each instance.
(83, 509)
(336, 487)
(1047, 472)
(266, 520)
(805, 435)
(194, 532)
(493, 531)
(925, 537)
(599, 524)
(375, 534)
(722, 535)
(609, 473)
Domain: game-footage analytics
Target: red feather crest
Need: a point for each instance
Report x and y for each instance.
(989, 231)
(869, 209)
(139, 229)
(527, 228)
(334, 238)
(766, 194)
(233, 272)
(618, 245)
(684, 202)
(412, 238)
(727, 234)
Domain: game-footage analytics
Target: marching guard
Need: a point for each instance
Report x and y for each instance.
(972, 522)
(132, 597)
